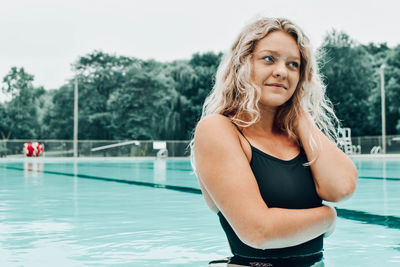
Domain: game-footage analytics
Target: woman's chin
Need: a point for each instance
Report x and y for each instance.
(272, 103)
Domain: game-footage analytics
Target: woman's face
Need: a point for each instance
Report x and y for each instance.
(276, 68)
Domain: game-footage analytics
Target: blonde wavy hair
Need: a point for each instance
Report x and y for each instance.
(235, 95)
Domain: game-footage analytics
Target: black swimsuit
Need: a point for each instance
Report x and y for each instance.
(283, 184)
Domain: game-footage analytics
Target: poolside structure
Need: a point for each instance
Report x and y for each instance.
(345, 140)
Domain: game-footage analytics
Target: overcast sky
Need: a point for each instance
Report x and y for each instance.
(46, 36)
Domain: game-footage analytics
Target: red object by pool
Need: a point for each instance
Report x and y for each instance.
(33, 149)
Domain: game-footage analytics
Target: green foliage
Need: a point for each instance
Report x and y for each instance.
(58, 119)
(19, 115)
(392, 88)
(18, 81)
(127, 98)
(100, 74)
(391, 59)
(194, 81)
(172, 128)
(348, 75)
(139, 105)
(352, 74)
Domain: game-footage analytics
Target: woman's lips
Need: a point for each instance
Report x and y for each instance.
(277, 85)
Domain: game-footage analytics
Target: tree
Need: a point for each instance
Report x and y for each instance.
(100, 74)
(349, 77)
(19, 115)
(392, 88)
(205, 66)
(58, 119)
(194, 80)
(140, 104)
(391, 59)
(378, 51)
(173, 126)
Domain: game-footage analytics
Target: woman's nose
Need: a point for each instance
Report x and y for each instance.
(280, 70)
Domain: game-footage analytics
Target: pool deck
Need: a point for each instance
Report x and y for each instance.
(374, 156)
(57, 159)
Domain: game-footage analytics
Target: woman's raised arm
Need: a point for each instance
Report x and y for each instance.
(335, 175)
(226, 177)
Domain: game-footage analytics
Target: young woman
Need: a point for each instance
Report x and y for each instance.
(263, 149)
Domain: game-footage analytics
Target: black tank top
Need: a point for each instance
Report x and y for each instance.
(283, 184)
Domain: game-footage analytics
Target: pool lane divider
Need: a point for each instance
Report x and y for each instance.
(116, 180)
(379, 178)
(368, 218)
(355, 215)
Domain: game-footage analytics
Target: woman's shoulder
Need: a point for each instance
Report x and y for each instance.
(217, 133)
(215, 124)
(215, 118)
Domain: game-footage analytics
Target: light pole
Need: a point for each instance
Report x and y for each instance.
(76, 118)
(383, 108)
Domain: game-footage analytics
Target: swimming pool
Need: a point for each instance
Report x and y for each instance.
(150, 213)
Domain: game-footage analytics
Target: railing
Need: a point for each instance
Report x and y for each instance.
(373, 144)
(99, 148)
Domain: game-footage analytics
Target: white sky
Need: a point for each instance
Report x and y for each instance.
(46, 36)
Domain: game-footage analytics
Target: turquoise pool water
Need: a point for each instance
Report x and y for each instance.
(149, 213)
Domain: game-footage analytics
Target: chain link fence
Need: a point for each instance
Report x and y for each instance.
(100, 148)
(373, 144)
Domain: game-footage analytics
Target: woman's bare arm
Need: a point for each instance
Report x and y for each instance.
(335, 175)
(224, 172)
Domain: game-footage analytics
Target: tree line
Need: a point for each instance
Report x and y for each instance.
(128, 98)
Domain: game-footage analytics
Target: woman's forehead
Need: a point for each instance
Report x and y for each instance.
(278, 42)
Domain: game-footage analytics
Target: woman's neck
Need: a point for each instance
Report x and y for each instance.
(266, 123)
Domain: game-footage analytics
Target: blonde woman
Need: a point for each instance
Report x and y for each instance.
(263, 150)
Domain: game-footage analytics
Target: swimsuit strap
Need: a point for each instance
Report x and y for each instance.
(240, 131)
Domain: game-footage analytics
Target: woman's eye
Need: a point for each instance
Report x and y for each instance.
(269, 59)
(294, 64)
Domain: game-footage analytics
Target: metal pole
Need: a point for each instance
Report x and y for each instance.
(383, 108)
(76, 118)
